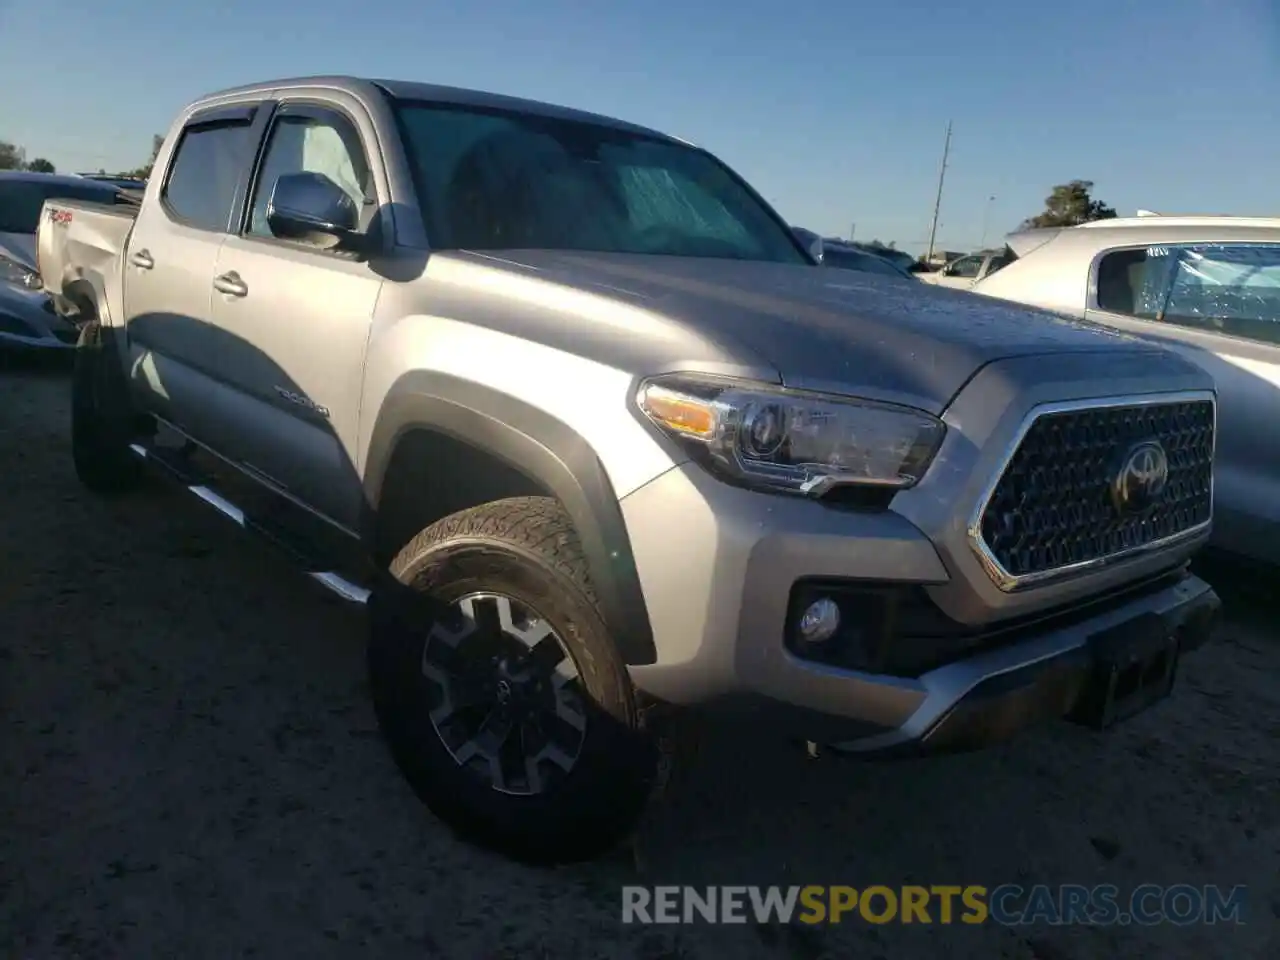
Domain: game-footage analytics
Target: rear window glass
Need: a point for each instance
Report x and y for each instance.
(205, 172)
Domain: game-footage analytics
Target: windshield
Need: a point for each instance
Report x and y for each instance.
(496, 179)
(21, 200)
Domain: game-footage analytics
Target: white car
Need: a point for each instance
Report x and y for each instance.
(963, 272)
(1207, 286)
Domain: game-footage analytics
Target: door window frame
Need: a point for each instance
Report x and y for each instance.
(373, 226)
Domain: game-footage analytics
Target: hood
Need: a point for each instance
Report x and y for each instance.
(20, 248)
(838, 331)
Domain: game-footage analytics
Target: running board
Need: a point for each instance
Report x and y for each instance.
(330, 579)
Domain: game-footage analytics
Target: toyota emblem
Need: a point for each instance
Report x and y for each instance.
(1141, 479)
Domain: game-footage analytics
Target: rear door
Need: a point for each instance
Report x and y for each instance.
(298, 322)
(169, 268)
(1218, 304)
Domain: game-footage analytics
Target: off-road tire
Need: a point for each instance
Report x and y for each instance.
(103, 423)
(527, 549)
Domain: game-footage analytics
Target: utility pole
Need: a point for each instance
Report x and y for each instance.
(853, 226)
(937, 204)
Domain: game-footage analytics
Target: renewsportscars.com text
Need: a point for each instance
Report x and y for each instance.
(1007, 904)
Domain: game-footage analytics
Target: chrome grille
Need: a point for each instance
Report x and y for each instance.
(1052, 508)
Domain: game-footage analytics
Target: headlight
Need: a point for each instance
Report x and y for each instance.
(11, 272)
(789, 440)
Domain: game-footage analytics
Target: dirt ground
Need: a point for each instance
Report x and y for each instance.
(189, 767)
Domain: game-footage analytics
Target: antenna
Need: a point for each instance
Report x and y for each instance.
(937, 204)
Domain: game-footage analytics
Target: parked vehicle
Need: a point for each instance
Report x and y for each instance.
(123, 183)
(847, 256)
(963, 272)
(899, 258)
(852, 258)
(563, 400)
(1208, 287)
(27, 317)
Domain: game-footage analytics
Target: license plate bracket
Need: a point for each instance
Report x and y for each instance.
(1132, 666)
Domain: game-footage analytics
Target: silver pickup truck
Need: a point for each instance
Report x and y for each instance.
(569, 407)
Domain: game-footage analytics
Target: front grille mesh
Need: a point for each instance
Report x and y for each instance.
(1052, 506)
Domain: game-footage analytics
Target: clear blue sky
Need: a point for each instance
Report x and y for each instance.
(835, 111)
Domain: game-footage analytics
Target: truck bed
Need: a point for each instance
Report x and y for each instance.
(78, 240)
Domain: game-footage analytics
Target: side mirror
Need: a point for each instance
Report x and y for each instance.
(816, 249)
(312, 208)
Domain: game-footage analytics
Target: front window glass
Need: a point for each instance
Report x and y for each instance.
(967, 267)
(305, 144)
(493, 180)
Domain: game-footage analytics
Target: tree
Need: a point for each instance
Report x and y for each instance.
(12, 156)
(142, 173)
(41, 165)
(1068, 205)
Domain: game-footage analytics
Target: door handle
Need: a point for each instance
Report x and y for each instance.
(231, 285)
(142, 258)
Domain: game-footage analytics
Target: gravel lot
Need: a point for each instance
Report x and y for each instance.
(189, 767)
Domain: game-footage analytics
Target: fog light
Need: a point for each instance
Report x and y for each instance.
(819, 622)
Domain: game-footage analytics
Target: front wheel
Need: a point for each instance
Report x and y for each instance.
(102, 419)
(499, 690)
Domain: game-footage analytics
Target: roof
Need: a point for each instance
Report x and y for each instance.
(411, 90)
(1127, 231)
(1147, 219)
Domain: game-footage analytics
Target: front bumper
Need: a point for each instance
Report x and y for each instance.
(988, 698)
(719, 568)
(28, 320)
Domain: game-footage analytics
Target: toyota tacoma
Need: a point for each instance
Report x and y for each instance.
(571, 410)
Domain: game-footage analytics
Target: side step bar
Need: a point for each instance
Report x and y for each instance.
(330, 579)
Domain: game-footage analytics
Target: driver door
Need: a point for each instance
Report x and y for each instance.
(296, 319)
